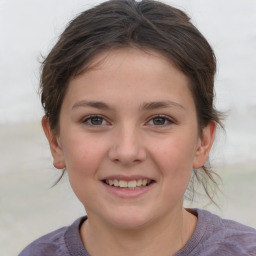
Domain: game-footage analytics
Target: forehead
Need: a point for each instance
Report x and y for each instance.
(107, 56)
(132, 59)
(127, 66)
(126, 72)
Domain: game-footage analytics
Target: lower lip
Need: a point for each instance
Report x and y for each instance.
(128, 193)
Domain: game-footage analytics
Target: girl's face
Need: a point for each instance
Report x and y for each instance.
(129, 138)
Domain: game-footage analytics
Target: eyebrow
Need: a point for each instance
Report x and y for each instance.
(145, 106)
(93, 104)
(160, 104)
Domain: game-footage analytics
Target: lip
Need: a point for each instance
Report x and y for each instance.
(126, 178)
(124, 192)
(127, 193)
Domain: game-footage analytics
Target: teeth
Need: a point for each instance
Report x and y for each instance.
(132, 184)
(139, 183)
(122, 184)
(115, 183)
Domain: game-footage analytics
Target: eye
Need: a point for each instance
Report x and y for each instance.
(160, 121)
(95, 120)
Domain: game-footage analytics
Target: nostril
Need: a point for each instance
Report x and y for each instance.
(127, 151)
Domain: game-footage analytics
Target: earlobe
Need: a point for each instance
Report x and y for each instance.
(204, 145)
(55, 147)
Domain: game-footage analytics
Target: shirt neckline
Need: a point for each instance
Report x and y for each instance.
(76, 248)
(73, 240)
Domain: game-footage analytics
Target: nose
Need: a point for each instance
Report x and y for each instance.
(127, 147)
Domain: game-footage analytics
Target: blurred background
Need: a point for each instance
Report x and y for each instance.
(29, 207)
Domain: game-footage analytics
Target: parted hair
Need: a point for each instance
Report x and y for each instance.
(145, 24)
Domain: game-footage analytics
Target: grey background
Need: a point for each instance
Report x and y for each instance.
(28, 29)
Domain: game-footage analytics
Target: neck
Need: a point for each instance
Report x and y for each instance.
(164, 237)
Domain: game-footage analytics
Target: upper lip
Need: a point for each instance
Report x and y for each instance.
(127, 178)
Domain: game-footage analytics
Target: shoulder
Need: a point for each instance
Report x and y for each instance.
(50, 244)
(227, 237)
(53, 243)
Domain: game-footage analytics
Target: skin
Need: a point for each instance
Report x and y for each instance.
(147, 126)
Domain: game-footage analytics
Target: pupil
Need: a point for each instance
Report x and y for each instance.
(158, 121)
(96, 120)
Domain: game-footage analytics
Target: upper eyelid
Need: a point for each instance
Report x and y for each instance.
(163, 116)
(94, 115)
(168, 118)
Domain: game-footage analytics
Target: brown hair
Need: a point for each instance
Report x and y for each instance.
(145, 24)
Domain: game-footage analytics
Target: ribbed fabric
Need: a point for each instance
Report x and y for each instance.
(198, 234)
(73, 240)
(213, 237)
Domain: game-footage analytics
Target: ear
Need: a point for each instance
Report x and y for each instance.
(204, 145)
(56, 150)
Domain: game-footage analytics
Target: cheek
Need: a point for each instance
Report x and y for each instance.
(83, 160)
(83, 156)
(174, 161)
(175, 155)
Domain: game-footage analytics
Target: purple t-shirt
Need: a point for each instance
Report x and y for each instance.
(213, 236)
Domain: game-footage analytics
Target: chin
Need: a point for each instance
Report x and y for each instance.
(130, 220)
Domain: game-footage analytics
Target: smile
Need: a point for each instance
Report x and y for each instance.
(132, 184)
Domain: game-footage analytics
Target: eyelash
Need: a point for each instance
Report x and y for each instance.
(165, 118)
(88, 120)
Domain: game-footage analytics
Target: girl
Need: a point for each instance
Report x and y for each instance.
(128, 95)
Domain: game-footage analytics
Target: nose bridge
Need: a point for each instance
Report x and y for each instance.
(127, 146)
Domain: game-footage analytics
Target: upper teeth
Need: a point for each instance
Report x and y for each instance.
(128, 184)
